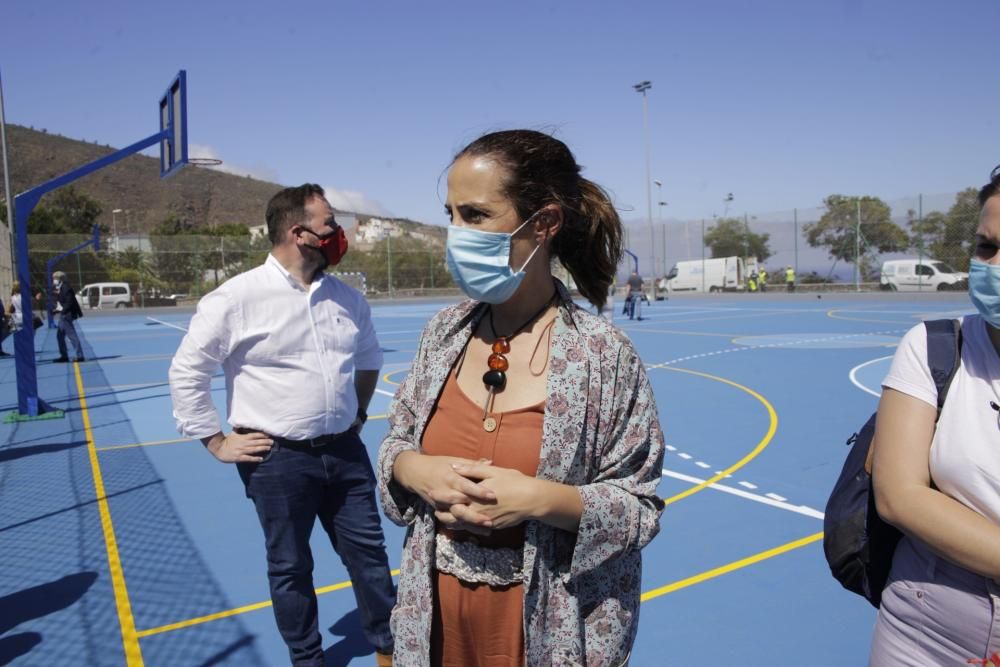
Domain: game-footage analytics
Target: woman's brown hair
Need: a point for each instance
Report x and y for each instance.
(541, 170)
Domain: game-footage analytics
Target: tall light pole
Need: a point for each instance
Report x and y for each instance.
(642, 87)
(6, 184)
(659, 219)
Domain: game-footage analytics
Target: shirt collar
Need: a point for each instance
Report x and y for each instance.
(273, 262)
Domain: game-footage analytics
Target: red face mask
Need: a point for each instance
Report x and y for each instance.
(332, 245)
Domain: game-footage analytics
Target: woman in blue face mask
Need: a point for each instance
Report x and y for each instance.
(939, 483)
(524, 448)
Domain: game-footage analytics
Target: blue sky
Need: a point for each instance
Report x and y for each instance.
(781, 103)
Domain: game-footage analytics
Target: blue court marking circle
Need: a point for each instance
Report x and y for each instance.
(818, 341)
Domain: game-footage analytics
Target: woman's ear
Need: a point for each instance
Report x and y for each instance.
(548, 223)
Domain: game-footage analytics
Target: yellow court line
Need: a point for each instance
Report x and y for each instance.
(385, 378)
(238, 610)
(649, 595)
(765, 441)
(731, 567)
(111, 448)
(130, 640)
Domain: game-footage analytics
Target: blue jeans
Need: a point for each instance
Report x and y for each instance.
(65, 329)
(291, 488)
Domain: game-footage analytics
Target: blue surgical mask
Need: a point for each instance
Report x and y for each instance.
(984, 290)
(480, 263)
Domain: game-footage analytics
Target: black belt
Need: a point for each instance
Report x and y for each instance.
(318, 441)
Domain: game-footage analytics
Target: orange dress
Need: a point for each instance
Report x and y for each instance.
(475, 624)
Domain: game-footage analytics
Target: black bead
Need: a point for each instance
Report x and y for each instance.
(495, 379)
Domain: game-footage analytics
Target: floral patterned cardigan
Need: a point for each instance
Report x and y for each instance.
(601, 433)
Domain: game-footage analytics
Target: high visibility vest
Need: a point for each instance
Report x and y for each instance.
(790, 275)
(763, 276)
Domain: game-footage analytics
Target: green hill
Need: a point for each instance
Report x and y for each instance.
(204, 197)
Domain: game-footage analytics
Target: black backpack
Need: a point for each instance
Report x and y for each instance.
(858, 544)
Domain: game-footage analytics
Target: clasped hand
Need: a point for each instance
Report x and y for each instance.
(467, 495)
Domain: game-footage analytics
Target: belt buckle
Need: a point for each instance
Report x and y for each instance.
(316, 442)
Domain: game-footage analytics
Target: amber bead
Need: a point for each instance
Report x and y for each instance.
(498, 362)
(501, 346)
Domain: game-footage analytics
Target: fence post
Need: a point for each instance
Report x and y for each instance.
(795, 222)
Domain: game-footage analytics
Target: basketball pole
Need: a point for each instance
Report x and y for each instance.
(174, 155)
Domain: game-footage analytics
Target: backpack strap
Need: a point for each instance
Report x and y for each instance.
(944, 354)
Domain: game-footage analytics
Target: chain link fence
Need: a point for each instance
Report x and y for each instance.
(163, 270)
(841, 245)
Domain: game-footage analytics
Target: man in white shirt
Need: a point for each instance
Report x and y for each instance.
(301, 361)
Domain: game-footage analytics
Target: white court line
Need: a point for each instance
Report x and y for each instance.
(686, 457)
(385, 393)
(166, 324)
(775, 496)
(854, 377)
(748, 485)
(798, 509)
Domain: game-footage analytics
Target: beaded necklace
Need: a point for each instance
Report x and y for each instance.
(496, 377)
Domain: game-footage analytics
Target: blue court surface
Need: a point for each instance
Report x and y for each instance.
(122, 544)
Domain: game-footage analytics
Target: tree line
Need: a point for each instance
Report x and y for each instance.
(945, 236)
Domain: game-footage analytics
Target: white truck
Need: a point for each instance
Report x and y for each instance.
(719, 274)
(914, 275)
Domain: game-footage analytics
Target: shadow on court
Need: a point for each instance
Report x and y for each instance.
(33, 603)
(353, 643)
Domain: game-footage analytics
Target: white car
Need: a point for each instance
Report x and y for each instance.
(915, 275)
(105, 295)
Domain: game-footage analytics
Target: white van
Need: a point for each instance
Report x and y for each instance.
(105, 295)
(719, 274)
(914, 275)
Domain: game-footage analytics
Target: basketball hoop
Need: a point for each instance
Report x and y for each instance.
(204, 161)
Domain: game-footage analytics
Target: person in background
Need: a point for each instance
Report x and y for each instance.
(790, 278)
(301, 360)
(937, 483)
(635, 296)
(14, 308)
(67, 311)
(528, 490)
(6, 328)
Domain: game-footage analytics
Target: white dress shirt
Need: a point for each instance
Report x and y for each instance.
(288, 353)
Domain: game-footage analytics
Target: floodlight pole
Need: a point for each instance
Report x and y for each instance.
(28, 402)
(6, 181)
(642, 87)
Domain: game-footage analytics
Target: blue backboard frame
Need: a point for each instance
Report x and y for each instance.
(173, 121)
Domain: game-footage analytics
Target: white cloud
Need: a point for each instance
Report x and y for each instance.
(342, 200)
(355, 202)
(258, 171)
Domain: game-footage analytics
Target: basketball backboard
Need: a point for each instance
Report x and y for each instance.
(173, 120)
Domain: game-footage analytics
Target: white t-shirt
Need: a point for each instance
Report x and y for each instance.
(965, 451)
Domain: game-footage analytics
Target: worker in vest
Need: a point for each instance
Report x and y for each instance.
(752, 282)
(790, 279)
(762, 276)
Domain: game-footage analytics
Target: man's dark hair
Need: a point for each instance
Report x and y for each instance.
(288, 208)
(991, 188)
